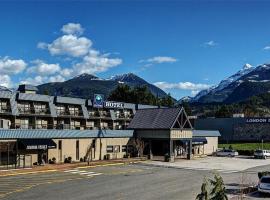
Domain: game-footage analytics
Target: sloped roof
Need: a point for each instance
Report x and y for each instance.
(54, 134)
(156, 118)
(205, 133)
(27, 87)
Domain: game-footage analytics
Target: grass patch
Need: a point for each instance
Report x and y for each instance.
(246, 146)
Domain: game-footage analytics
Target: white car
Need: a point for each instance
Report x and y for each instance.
(261, 153)
(227, 152)
(264, 184)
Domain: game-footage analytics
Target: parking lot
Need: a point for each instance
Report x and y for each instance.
(138, 181)
(220, 164)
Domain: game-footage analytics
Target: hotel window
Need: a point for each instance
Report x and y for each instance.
(41, 124)
(61, 110)
(24, 123)
(124, 148)
(109, 149)
(40, 108)
(77, 150)
(3, 106)
(24, 107)
(117, 114)
(73, 110)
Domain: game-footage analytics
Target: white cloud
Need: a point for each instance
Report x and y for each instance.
(5, 81)
(42, 45)
(42, 68)
(34, 80)
(9, 66)
(57, 78)
(70, 45)
(73, 29)
(182, 86)
(95, 62)
(159, 60)
(210, 43)
(66, 72)
(266, 48)
(194, 92)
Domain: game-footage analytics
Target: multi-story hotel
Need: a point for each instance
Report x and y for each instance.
(43, 128)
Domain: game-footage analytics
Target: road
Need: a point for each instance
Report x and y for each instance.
(133, 182)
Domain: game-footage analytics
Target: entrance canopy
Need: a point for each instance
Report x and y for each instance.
(36, 144)
(199, 140)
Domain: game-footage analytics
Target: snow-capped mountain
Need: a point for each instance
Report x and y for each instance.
(246, 82)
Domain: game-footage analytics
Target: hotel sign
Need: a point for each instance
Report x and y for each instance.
(111, 104)
(257, 120)
(98, 101)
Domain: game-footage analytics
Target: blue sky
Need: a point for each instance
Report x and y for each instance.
(181, 46)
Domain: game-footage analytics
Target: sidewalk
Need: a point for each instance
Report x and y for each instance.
(67, 166)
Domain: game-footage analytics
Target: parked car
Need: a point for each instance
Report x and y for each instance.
(264, 184)
(260, 153)
(227, 152)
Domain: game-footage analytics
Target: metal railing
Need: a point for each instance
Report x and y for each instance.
(5, 109)
(67, 126)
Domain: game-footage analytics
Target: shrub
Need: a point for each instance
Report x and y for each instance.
(166, 157)
(68, 160)
(246, 152)
(263, 173)
(81, 160)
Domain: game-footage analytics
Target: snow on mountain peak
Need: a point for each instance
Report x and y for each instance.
(247, 66)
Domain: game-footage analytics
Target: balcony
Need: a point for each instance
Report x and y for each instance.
(34, 111)
(66, 113)
(5, 110)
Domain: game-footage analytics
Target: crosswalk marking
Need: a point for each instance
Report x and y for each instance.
(83, 172)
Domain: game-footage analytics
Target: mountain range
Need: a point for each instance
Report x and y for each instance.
(247, 82)
(86, 85)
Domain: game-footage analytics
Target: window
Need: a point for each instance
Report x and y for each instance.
(3, 107)
(40, 108)
(60, 110)
(24, 107)
(124, 148)
(41, 124)
(77, 150)
(60, 144)
(109, 149)
(24, 123)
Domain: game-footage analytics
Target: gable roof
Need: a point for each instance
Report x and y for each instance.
(156, 118)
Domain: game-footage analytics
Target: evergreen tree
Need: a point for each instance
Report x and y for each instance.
(223, 111)
(218, 191)
(204, 192)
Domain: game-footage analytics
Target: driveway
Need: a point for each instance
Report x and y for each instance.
(220, 164)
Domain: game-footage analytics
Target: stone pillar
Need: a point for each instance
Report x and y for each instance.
(150, 150)
(171, 151)
(189, 155)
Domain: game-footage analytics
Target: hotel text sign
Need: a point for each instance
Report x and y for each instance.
(111, 104)
(257, 120)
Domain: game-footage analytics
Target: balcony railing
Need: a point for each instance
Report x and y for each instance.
(69, 113)
(35, 111)
(65, 126)
(5, 109)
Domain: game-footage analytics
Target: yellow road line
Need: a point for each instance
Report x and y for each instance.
(23, 173)
(23, 189)
(103, 165)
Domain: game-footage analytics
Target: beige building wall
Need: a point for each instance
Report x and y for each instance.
(211, 146)
(100, 150)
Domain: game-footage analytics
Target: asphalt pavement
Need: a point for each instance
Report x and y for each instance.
(131, 182)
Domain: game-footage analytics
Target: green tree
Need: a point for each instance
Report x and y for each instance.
(167, 101)
(223, 111)
(218, 191)
(187, 108)
(204, 192)
(46, 92)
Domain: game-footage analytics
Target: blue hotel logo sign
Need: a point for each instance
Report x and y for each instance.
(98, 100)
